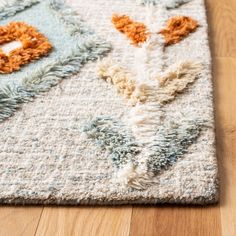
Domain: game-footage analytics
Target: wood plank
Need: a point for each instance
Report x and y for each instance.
(178, 221)
(19, 220)
(222, 24)
(228, 179)
(224, 94)
(85, 221)
(225, 89)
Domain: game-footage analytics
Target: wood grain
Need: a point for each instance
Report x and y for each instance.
(222, 23)
(86, 221)
(16, 221)
(225, 104)
(176, 221)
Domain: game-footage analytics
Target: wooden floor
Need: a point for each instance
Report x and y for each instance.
(166, 220)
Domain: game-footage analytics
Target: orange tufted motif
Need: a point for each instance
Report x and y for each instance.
(34, 46)
(137, 32)
(177, 28)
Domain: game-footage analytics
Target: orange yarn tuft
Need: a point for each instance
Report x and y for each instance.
(34, 46)
(137, 32)
(178, 28)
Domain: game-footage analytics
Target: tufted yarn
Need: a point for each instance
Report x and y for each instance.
(177, 28)
(137, 32)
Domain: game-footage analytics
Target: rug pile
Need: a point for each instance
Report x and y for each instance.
(106, 102)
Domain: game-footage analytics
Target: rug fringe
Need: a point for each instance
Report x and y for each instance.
(130, 175)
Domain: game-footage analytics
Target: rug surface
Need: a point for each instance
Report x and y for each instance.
(106, 102)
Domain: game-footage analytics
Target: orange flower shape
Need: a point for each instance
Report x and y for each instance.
(177, 28)
(34, 46)
(137, 32)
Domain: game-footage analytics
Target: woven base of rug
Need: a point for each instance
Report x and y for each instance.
(106, 102)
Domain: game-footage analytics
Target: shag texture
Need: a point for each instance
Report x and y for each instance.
(123, 81)
(169, 4)
(163, 152)
(177, 28)
(146, 116)
(34, 46)
(171, 143)
(176, 80)
(73, 22)
(137, 32)
(167, 86)
(115, 138)
(13, 6)
(43, 79)
(118, 76)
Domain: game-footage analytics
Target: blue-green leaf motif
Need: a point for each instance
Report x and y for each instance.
(169, 4)
(115, 138)
(170, 144)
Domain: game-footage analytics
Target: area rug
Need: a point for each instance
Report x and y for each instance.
(106, 102)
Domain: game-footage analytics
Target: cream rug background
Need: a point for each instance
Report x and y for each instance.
(44, 157)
